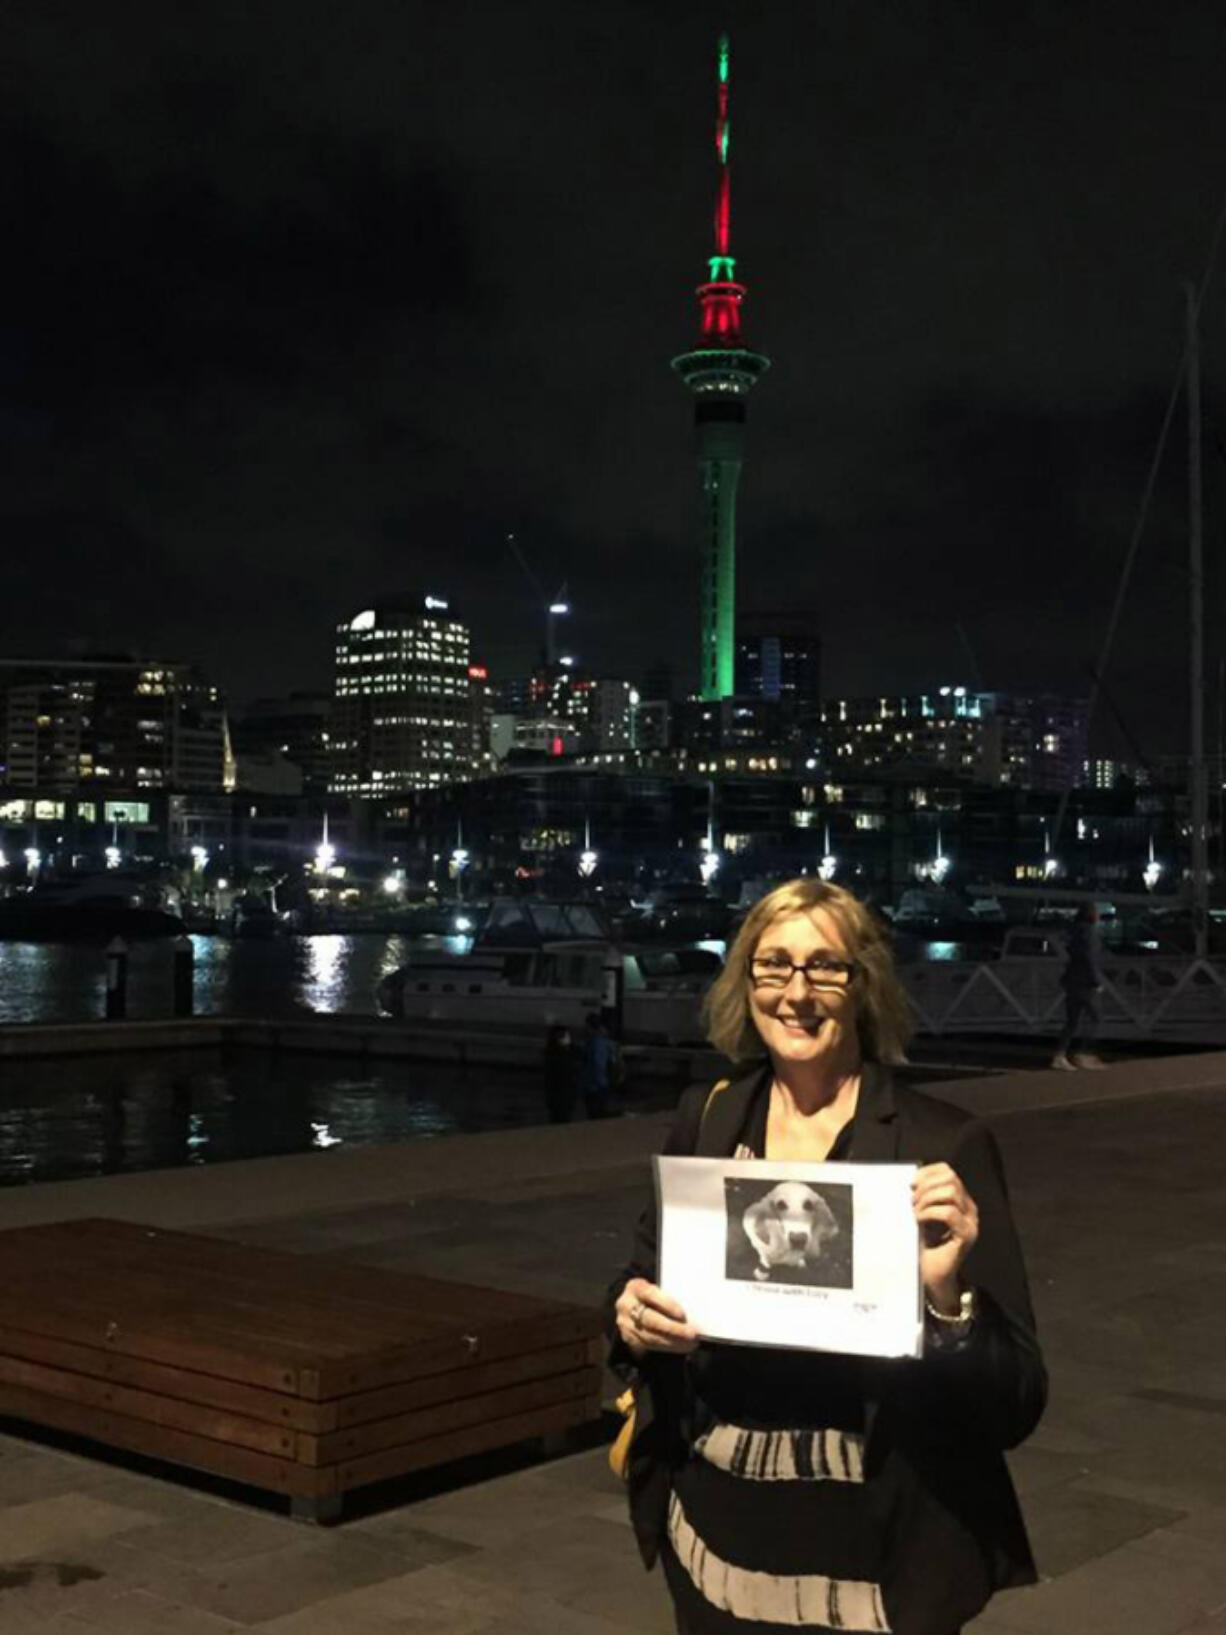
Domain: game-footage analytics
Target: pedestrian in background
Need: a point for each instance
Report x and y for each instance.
(559, 1072)
(1082, 980)
(599, 1055)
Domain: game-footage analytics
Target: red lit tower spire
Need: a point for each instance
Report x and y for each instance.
(720, 371)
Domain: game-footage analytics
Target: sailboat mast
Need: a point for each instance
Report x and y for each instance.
(1198, 783)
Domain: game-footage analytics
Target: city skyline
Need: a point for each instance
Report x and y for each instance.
(304, 316)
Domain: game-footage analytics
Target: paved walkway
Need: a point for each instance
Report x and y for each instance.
(1117, 1183)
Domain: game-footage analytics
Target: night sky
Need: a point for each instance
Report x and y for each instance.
(308, 303)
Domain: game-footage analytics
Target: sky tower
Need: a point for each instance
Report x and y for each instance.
(720, 371)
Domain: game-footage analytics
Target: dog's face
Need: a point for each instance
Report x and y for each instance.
(792, 1222)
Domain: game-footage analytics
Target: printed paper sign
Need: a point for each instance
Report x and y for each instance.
(821, 1257)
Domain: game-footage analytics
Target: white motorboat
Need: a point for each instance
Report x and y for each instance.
(537, 964)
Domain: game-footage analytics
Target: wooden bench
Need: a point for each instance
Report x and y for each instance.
(295, 1373)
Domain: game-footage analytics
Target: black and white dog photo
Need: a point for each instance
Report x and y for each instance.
(789, 1232)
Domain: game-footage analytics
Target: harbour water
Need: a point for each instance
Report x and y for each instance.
(280, 976)
(63, 1118)
(328, 973)
(70, 1117)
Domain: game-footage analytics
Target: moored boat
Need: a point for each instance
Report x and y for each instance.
(541, 963)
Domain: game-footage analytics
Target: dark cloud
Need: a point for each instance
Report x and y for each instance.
(79, 581)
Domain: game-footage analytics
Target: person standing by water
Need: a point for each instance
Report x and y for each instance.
(559, 1072)
(1082, 980)
(599, 1057)
(810, 1490)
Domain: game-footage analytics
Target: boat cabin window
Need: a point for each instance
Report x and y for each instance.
(578, 970)
(517, 969)
(549, 920)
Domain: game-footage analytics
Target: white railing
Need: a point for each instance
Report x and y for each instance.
(1159, 998)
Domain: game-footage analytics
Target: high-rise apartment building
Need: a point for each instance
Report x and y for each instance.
(481, 703)
(779, 656)
(401, 699)
(1027, 740)
(116, 723)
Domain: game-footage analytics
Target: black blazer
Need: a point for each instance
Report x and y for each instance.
(944, 1420)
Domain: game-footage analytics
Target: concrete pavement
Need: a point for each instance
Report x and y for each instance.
(1116, 1178)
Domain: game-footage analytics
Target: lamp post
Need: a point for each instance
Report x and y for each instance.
(587, 857)
(325, 852)
(940, 863)
(459, 862)
(709, 858)
(829, 864)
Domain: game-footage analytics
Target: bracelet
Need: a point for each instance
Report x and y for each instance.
(965, 1315)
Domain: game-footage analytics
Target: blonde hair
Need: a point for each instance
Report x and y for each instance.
(883, 1012)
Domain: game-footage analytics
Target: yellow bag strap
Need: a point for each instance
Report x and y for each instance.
(720, 1084)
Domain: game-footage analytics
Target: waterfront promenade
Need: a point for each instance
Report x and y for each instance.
(1117, 1184)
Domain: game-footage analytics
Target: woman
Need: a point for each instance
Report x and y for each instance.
(811, 1490)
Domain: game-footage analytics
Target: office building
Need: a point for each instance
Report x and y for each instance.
(401, 716)
(111, 723)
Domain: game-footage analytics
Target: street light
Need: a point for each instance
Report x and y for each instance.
(200, 859)
(940, 863)
(587, 857)
(325, 852)
(828, 866)
(33, 859)
(1152, 872)
(1051, 865)
(114, 857)
(459, 862)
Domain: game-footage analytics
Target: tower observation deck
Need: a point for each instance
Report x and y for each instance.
(720, 371)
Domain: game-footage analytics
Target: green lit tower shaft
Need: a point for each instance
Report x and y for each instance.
(720, 372)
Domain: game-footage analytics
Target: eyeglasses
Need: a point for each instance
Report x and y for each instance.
(775, 971)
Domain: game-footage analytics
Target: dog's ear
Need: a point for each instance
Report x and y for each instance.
(753, 1220)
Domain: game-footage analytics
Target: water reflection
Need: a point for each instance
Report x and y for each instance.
(48, 982)
(101, 1115)
(327, 962)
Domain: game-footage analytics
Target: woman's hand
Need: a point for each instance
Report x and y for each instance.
(650, 1320)
(949, 1225)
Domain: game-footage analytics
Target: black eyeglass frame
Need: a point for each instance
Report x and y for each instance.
(849, 965)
